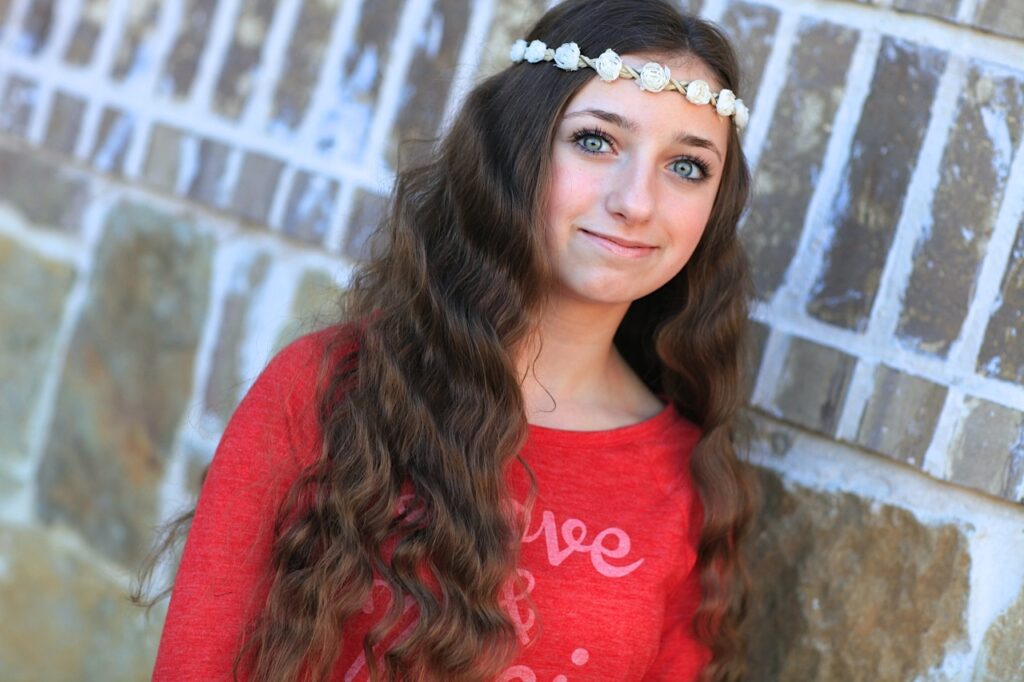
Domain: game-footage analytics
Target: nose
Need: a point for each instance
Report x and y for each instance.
(632, 195)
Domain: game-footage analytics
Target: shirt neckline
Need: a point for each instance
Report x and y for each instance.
(621, 434)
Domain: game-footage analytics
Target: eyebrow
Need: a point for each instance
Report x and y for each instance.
(627, 124)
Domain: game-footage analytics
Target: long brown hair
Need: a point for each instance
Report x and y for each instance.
(422, 386)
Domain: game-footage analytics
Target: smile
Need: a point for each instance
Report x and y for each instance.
(620, 247)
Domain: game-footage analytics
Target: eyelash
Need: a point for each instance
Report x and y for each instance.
(584, 133)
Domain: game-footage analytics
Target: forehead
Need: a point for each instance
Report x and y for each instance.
(661, 114)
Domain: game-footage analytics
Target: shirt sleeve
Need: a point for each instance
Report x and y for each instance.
(220, 584)
(681, 655)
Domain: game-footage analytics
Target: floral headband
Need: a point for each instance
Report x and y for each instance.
(652, 76)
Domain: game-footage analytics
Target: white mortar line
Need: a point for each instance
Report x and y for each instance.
(346, 21)
(23, 503)
(773, 81)
(467, 66)
(188, 164)
(895, 356)
(858, 392)
(42, 104)
(229, 180)
(963, 354)
(218, 42)
(936, 458)
(275, 216)
(403, 46)
(273, 56)
(66, 15)
(966, 12)
(912, 226)
(818, 231)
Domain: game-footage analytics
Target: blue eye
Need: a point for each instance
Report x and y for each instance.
(591, 141)
(690, 169)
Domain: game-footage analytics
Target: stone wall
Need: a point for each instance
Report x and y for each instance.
(184, 186)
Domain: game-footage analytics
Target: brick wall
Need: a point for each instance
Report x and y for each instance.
(184, 186)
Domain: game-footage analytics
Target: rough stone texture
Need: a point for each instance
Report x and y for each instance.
(944, 9)
(812, 388)
(868, 204)
(135, 49)
(115, 134)
(314, 307)
(1001, 656)
(753, 27)
(901, 415)
(64, 124)
(63, 617)
(163, 159)
(849, 590)
(242, 63)
(367, 212)
(1001, 16)
(43, 193)
(974, 171)
(205, 185)
(346, 123)
(183, 61)
(791, 161)
(87, 31)
(127, 381)
(226, 381)
(1002, 353)
(428, 83)
(987, 451)
(17, 105)
(755, 355)
(32, 295)
(303, 62)
(36, 27)
(310, 202)
(254, 192)
(511, 21)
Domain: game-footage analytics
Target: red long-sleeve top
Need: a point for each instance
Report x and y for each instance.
(608, 557)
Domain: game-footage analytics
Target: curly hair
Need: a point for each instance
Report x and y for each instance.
(421, 387)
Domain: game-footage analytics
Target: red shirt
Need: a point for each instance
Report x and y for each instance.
(608, 556)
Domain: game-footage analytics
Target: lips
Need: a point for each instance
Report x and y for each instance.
(618, 245)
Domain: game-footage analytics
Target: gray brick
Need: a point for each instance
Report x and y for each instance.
(303, 61)
(944, 9)
(428, 82)
(18, 103)
(812, 388)
(241, 66)
(310, 203)
(367, 212)
(36, 27)
(136, 44)
(900, 416)
(183, 62)
(973, 175)
(874, 182)
(792, 159)
(87, 31)
(115, 135)
(163, 158)
(205, 185)
(65, 122)
(988, 449)
(46, 194)
(254, 192)
(752, 27)
(1001, 16)
(1002, 351)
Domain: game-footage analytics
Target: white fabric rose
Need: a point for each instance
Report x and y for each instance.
(535, 52)
(726, 103)
(742, 114)
(608, 65)
(698, 92)
(517, 51)
(567, 57)
(654, 77)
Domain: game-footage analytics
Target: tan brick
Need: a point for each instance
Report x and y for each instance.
(183, 61)
(900, 416)
(367, 212)
(46, 194)
(868, 204)
(1001, 16)
(136, 42)
(87, 31)
(1002, 352)
(792, 159)
(254, 192)
(65, 121)
(303, 62)
(812, 388)
(987, 451)
(428, 82)
(310, 203)
(17, 105)
(752, 27)
(973, 175)
(242, 62)
(1002, 651)
(163, 158)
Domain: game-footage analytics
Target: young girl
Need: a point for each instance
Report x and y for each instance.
(511, 458)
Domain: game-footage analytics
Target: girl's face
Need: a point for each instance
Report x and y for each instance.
(634, 175)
